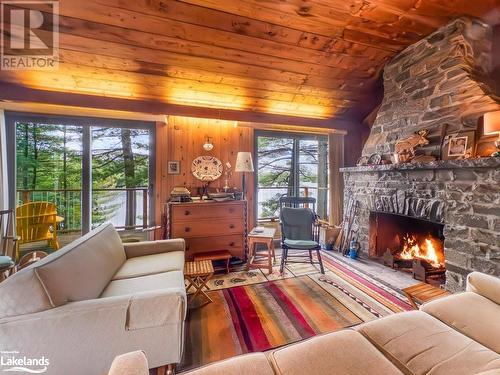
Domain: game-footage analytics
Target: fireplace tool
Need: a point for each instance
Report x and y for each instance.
(349, 232)
(340, 239)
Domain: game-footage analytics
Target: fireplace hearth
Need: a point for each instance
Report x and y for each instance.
(408, 244)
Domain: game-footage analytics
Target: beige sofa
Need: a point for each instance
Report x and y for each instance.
(94, 299)
(455, 335)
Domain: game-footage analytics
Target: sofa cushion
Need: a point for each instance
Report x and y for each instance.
(82, 269)
(122, 287)
(344, 352)
(470, 313)
(248, 364)
(151, 264)
(420, 344)
(22, 293)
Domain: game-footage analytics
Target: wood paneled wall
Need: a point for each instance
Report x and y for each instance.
(182, 139)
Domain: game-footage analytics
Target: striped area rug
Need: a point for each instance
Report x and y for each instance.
(259, 317)
(269, 311)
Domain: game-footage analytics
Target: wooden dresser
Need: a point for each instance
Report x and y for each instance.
(208, 226)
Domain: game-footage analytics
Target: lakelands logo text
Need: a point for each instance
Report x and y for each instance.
(30, 35)
(14, 362)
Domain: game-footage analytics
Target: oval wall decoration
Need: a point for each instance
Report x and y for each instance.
(206, 168)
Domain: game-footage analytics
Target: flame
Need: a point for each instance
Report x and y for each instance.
(426, 250)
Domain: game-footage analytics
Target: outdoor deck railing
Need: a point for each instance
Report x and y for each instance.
(107, 205)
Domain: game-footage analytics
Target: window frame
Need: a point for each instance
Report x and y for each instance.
(296, 137)
(12, 117)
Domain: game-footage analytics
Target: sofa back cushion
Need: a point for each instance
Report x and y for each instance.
(82, 269)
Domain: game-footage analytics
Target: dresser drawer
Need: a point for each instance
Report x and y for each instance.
(207, 228)
(234, 244)
(205, 211)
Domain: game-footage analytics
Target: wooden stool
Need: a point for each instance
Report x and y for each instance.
(215, 255)
(265, 237)
(197, 274)
(423, 292)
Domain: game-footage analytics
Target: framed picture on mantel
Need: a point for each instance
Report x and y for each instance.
(459, 145)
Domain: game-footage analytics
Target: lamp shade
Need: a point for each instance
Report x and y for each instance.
(492, 122)
(244, 162)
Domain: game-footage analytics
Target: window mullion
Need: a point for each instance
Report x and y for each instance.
(86, 179)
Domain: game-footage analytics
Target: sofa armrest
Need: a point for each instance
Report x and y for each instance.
(137, 249)
(486, 285)
(157, 308)
(133, 363)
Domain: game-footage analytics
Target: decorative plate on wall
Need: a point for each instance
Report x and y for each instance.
(206, 168)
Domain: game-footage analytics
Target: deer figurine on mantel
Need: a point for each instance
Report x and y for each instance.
(405, 148)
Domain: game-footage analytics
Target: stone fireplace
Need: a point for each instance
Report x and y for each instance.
(442, 79)
(462, 195)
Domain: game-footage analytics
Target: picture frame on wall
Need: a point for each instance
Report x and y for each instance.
(174, 167)
(459, 145)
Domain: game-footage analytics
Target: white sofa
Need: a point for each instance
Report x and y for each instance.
(94, 299)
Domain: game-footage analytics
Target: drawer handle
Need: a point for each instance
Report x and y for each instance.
(231, 226)
(231, 244)
(187, 229)
(187, 212)
(231, 210)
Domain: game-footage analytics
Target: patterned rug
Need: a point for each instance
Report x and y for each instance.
(259, 317)
(253, 311)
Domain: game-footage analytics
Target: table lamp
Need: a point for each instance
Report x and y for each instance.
(244, 164)
(492, 127)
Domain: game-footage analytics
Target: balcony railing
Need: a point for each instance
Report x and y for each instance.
(126, 208)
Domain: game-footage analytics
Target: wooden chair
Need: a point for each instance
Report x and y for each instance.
(37, 221)
(7, 243)
(299, 230)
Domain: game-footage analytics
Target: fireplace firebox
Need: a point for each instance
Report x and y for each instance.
(408, 244)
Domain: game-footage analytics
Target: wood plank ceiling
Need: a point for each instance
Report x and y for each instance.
(313, 58)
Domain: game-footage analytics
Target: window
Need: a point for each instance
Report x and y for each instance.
(292, 164)
(94, 170)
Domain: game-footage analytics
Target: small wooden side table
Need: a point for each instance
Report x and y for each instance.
(198, 274)
(265, 237)
(423, 292)
(224, 255)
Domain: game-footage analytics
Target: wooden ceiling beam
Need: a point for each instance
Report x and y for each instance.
(335, 89)
(70, 77)
(17, 93)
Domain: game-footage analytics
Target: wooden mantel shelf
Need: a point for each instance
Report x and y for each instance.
(490, 162)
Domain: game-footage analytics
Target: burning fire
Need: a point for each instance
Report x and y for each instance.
(426, 250)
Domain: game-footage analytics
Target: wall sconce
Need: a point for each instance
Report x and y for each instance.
(208, 145)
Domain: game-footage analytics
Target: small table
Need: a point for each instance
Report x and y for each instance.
(422, 292)
(266, 236)
(215, 255)
(198, 274)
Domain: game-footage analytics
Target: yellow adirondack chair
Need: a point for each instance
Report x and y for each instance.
(37, 221)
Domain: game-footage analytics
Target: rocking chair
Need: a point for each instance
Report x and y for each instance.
(299, 230)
